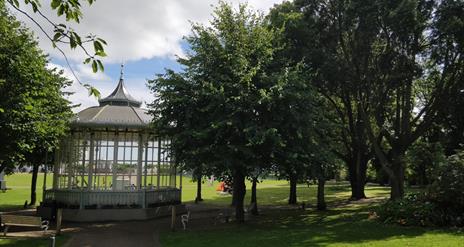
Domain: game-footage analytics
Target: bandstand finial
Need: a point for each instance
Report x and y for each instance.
(122, 70)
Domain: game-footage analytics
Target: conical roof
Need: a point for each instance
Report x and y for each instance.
(120, 96)
(118, 110)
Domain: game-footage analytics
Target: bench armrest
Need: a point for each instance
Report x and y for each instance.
(44, 225)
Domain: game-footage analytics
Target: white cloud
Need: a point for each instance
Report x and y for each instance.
(134, 30)
(141, 29)
(80, 94)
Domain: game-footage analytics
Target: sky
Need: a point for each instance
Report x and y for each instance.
(145, 35)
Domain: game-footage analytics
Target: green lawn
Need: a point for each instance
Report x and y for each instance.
(60, 241)
(19, 190)
(340, 226)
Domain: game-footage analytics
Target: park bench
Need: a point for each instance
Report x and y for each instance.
(20, 220)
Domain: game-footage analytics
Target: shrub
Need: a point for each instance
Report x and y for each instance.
(447, 191)
(413, 209)
(442, 204)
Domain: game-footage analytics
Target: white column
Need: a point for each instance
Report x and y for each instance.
(145, 171)
(68, 158)
(56, 168)
(91, 160)
(115, 159)
(159, 164)
(140, 161)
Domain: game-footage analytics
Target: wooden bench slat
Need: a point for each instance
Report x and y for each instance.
(23, 220)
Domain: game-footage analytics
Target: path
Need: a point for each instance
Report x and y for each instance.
(115, 234)
(129, 233)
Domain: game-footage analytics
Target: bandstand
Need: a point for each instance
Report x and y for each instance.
(112, 165)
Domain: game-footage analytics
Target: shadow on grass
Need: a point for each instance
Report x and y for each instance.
(344, 223)
(278, 195)
(29, 242)
(304, 228)
(10, 207)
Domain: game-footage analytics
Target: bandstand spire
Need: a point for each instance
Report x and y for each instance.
(120, 96)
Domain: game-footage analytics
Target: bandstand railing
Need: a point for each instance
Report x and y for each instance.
(85, 199)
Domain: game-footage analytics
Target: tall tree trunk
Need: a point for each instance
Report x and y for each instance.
(397, 181)
(35, 172)
(239, 195)
(199, 198)
(254, 201)
(292, 196)
(321, 205)
(357, 172)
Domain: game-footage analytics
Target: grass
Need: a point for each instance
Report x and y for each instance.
(42, 242)
(345, 225)
(340, 226)
(19, 190)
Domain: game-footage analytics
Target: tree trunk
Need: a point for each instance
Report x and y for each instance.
(254, 201)
(35, 172)
(357, 172)
(321, 205)
(198, 198)
(239, 196)
(292, 196)
(397, 181)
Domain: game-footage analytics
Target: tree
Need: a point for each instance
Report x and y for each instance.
(374, 60)
(215, 109)
(311, 34)
(296, 112)
(421, 49)
(34, 114)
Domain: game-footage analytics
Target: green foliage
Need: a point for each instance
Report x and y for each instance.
(215, 112)
(387, 68)
(35, 114)
(423, 160)
(447, 189)
(412, 210)
(441, 205)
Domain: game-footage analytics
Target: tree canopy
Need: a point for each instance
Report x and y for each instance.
(236, 109)
(33, 112)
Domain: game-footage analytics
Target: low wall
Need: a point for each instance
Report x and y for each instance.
(82, 199)
(126, 214)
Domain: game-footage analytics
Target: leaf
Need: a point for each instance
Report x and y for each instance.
(78, 38)
(16, 3)
(97, 46)
(57, 36)
(94, 66)
(100, 66)
(60, 10)
(55, 3)
(94, 91)
(102, 41)
(100, 53)
(72, 41)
